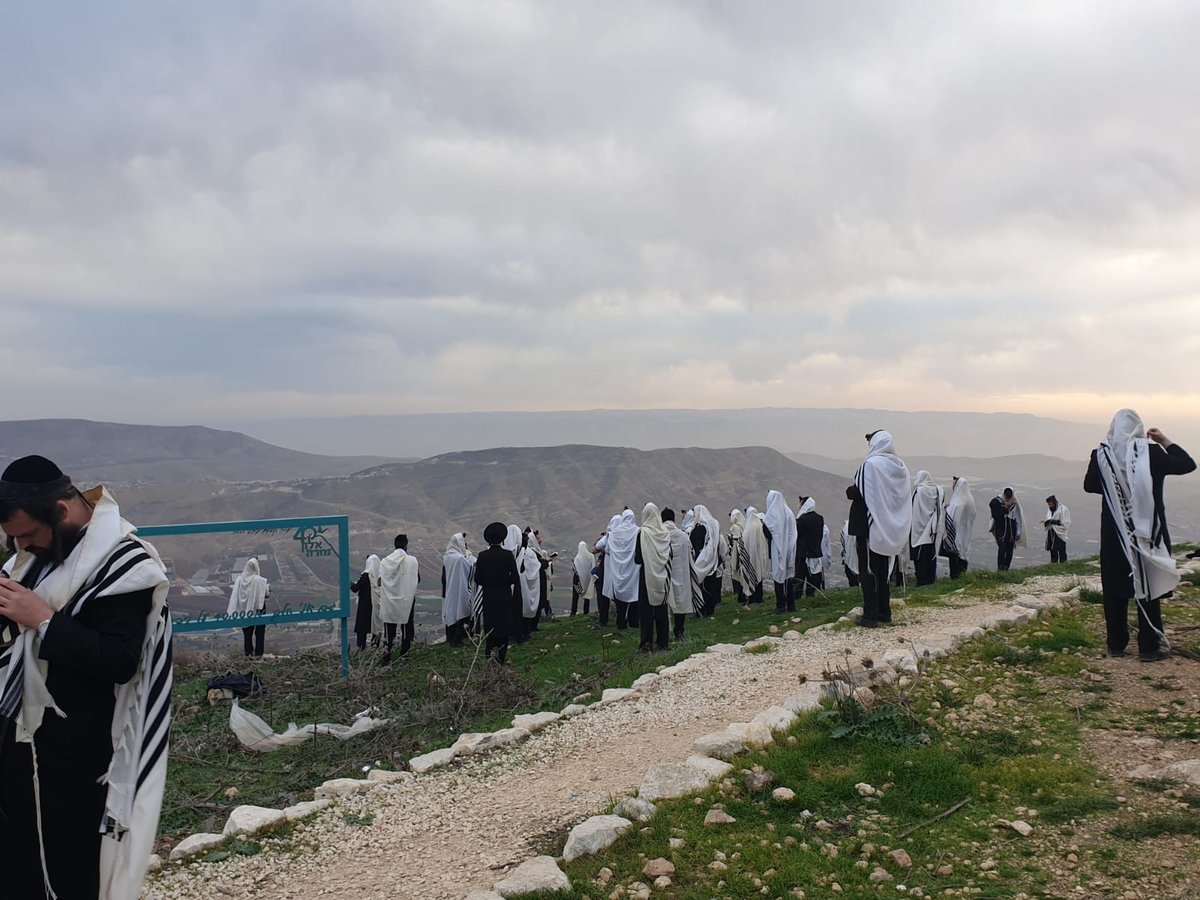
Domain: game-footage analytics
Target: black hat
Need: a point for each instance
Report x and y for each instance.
(30, 476)
(495, 533)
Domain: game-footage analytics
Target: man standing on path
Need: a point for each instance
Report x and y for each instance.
(398, 577)
(1058, 521)
(881, 520)
(1008, 527)
(85, 654)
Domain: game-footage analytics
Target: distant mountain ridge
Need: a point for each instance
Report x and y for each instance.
(116, 453)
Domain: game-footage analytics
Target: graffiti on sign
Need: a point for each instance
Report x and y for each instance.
(313, 541)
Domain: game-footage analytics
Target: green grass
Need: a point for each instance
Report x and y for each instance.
(1178, 823)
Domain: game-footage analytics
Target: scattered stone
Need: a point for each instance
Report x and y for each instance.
(304, 810)
(572, 709)
(986, 701)
(676, 843)
(759, 781)
(776, 718)
(615, 695)
(717, 866)
(774, 629)
(341, 787)
(637, 809)
(658, 867)
(753, 734)
(593, 835)
(232, 793)
(196, 843)
(719, 744)
(1186, 770)
(865, 790)
(154, 863)
(670, 781)
(428, 761)
(647, 681)
(483, 895)
(792, 635)
(783, 794)
(879, 876)
(605, 875)
(538, 874)
(534, 722)
(715, 769)
(638, 891)
(387, 776)
(1024, 829)
(943, 871)
(662, 882)
(718, 817)
(901, 858)
(252, 820)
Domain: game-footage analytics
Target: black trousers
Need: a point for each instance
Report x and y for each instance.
(756, 595)
(407, 633)
(252, 637)
(851, 577)
(958, 565)
(497, 623)
(575, 603)
(740, 593)
(809, 582)
(680, 619)
(873, 574)
(1116, 620)
(712, 593)
(602, 606)
(925, 563)
(1057, 547)
(653, 621)
(456, 634)
(627, 614)
(1004, 553)
(785, 596)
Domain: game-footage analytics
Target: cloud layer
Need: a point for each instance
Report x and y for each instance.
(277, 209)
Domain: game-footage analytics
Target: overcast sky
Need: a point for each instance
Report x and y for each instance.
(233, 209)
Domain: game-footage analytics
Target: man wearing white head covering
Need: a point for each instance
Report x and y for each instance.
(810, 532)
(1008, 527)
(249, 598)
(458, 589)
(960, 523)
(620, 570)
(706, 549)
(756, 563)
(529, 563)
(737, 522)
(398, 578)
(582, 580)
(1058, 524)
(881, 520)
(366, 616)
(1128, 470)
(684, 594)
(652, 555)
(603, 598)
(780, 523)
(849, 554)
(928, 526)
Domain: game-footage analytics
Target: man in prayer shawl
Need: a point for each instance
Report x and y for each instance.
(603, 598)
(366, 616)
(960, 523)
(706, 548)
(85, 690)
(1128, 470)
(881, 520)
(780, 524)
(757, 562)
(737, 522)
(684, 589)
(1058, 523)
(849, 554)
(582, 580)
(928, 526)
(1008, 527)
(810, 532)
(546, 561)
(248, 597)
(652, 556)
(398, 578)
(513, 543)
(620, 570)
(530, 566)
(458, 589)
(498, 579)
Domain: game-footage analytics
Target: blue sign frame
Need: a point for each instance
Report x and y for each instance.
(310, 531)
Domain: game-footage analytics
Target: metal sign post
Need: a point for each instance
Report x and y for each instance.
(310, 533)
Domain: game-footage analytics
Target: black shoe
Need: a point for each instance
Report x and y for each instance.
(883, 621)
(1155, 655)
(645, 648)
(1116, 654)
(865, 622)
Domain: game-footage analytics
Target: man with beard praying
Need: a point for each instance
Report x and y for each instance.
(1008, 527)
(498, 580)
(1058, 524)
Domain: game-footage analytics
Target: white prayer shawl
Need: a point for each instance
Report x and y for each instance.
(398, 577)
(689, 521)
(460, 571)
(782, 522)
(960, 511)
(655, 544)
(737, 522)
(884, 483)
(1124, 462)
(606, 585)
(136, 776)
(814, 564)
(250, 590)
(530, 566)
(682, 586)
(849, 548)
(620, 571)
(928, 512)
(585, 561)
(1017, 513)
(1060, 521)
(512, 541)
(756, 555)
(372, 570)
(709, 556)
(826, 550)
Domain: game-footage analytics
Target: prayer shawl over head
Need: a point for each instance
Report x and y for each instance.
(960, 518)
(826, 550)
(372, 570)
(249, 594)
(109, 560)
(683, 595)
(460, 574)
(530, 565)
(737, 522)
(398, 576)
(709, 556)
(1060, 521)
(928, 512)
(512, 541)
(883, 481)
(755, 555)
(782, 522)
(813, 563)
(620, 571)
(849, 548)
(1016, 514)
(655, 544)
(1124, 462)
(585, 561)
(689, 520)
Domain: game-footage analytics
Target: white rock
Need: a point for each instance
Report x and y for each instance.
(776, 718)
(864, 789)
(768, 640)
(647, 681)
(615, 695)
(386, 776)
(252, 820)
(809, 698)
(483, 895)
(342, 787)
(726, 649)
(534, 722)
(538, 874)
(1037, 604)
(1185, 770)
(718, 817)
(783, 794)
(713, 768)
(636, 808)
(154, 863)
(304, 810)
(753, 734)
(901, 660)
(196, 843)
(572, 709)
(719, 744)
(792, 635)
(666, 782)
(428, 761)
(593, 835)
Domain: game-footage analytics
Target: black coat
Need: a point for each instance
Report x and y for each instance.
(810, 531)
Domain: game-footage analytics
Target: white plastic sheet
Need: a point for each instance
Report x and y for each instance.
(256, 734)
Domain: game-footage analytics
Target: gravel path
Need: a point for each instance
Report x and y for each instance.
(448, 832)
